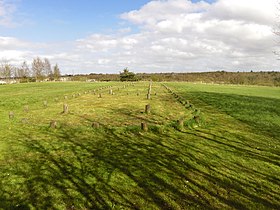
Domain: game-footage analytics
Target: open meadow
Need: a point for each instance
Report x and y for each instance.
(78, 145)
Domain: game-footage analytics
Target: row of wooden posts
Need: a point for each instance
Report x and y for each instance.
(54, 124)
(185, 103)
(65, 106)
(144, 126)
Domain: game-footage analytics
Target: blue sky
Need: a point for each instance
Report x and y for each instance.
(87, 36)
(60, 20)
(56, 20)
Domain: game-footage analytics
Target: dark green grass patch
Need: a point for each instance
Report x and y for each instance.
(262, 114)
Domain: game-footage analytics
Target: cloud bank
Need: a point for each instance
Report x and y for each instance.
(171, 36)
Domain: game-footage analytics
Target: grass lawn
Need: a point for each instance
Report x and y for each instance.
(230, 159)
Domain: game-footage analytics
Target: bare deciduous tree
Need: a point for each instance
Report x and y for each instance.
(23, 71)
(56, 72)
(47, 68)
(6, 69)
(38, 69)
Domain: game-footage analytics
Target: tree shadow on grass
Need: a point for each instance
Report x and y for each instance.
(262, 114)
(77, 168)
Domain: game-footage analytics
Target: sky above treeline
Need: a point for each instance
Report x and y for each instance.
(90, 36)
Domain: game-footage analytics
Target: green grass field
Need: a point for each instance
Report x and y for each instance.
(228, 159)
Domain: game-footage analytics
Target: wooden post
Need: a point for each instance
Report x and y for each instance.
(180, 124)
(148, 96)
(150, 88)
(45, 103)
(160, 130)
(111, 92)
(196, 119)
(65, 97)
(11, 115)
(26, 108)
(147, 109)
(95, 125)
(53, 124)
(24, 120)
(99, 96)
(65, 108)
(144, 126)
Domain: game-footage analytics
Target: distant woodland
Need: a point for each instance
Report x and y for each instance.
(42, 70)
(220, 77)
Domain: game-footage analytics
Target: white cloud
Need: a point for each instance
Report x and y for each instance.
(255, 11)
(217, 35)
(7, 10)
(173, 35)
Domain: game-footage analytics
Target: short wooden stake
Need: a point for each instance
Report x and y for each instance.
(65, 108)
(45, 103)
(26, 108)
(11, 115)
(144, 126)
(53, 124)
(24, 120)
(99, 96)
(95, 125)
(180, 124)
(148, 96)
(148, 109)
(196, 119)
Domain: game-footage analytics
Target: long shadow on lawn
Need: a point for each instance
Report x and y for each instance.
(262, 114)
(105, 169)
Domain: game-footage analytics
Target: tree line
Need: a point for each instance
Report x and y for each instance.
(40, 69)
(271, 78)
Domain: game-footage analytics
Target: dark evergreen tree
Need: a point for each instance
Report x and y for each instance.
(127, 75)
